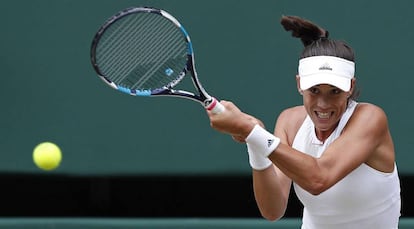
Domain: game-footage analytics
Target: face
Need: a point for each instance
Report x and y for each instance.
(325, 105)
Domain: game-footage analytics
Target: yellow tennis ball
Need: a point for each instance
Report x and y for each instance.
(47, 156)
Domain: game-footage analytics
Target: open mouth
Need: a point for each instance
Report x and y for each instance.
(323, 115)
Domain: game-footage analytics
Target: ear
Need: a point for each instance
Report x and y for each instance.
(298, 84)
(353, 82)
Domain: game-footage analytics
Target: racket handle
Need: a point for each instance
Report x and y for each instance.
(215, 106)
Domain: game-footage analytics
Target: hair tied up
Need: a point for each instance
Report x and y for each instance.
(306, 30)
(325, 36)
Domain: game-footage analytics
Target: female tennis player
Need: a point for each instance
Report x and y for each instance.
(338, 152)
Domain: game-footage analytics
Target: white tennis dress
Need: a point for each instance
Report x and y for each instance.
(366, 198)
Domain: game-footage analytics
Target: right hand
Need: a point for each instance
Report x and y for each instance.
(241, 139)
(234, 122)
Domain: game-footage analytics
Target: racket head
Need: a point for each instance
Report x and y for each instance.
(142, 51)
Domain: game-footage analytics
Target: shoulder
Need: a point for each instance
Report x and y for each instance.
(368, 111)
(369, 132)
(289, 122)
(369, 107)
(293, 114)
(371, 116)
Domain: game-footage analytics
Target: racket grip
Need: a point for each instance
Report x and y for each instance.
(215, 106)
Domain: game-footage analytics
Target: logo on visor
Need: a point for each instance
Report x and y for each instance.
(325, 66)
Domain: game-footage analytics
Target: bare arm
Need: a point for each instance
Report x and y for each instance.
(365, 133)
(271, 190)
(272, 186)
(364, 138)
(357, 144)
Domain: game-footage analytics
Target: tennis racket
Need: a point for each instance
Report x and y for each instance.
(143, 51)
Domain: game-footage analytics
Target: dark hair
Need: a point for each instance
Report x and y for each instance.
(316, 41)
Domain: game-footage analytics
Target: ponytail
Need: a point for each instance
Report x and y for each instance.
(307, 31)
(315, 39)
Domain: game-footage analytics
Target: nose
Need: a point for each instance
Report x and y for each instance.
(323, 102)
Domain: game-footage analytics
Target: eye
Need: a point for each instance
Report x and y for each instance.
(314, 90)
(336, 91)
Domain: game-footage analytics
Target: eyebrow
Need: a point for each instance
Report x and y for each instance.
(332, 86)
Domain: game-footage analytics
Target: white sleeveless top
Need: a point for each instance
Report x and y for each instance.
(364, 199)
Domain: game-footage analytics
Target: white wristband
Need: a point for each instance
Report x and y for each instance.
(261, 141)
(257, 161)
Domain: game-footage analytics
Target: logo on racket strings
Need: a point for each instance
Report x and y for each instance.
(169, 71)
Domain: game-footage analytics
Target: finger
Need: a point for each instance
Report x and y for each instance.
(238, 139)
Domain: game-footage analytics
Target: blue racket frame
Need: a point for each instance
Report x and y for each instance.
(203, 97)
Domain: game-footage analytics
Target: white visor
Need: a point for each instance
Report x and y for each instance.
(331, 70)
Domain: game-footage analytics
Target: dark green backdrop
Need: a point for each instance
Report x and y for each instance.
(49, 91)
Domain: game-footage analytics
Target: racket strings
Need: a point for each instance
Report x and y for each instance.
(142, 51)
(132, 46)
(160, 59)
(118, 49)
(171, 57)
